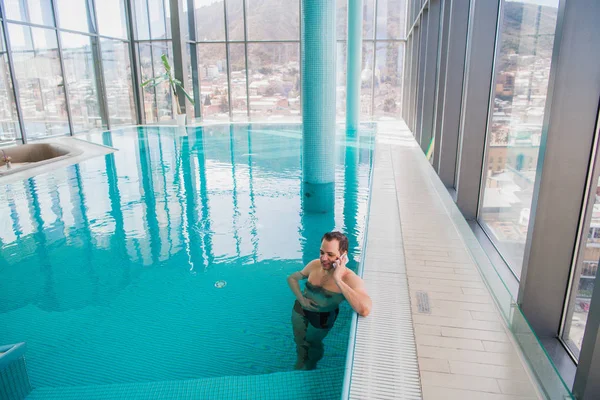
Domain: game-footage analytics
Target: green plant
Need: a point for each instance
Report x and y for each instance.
(168, 77)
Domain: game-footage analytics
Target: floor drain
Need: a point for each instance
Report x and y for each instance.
(220, 284)
(423, 303)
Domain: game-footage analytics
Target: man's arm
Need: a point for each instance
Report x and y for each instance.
(293, 280)
(355, 293)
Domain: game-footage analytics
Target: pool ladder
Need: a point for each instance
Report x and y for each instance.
(14, 380)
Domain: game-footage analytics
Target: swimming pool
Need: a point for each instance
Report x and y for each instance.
(166, 260)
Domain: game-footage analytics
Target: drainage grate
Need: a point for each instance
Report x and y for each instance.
(385, 356)
(423, 303)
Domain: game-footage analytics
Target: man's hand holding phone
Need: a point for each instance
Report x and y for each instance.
(339, 267)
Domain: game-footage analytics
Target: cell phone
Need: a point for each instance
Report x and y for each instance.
(342, 257)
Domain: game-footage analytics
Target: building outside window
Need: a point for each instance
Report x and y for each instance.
(522, 71)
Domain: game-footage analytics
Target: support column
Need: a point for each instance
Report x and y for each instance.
(318, 104)
(354, 64)
(475, 106)
(429, 74)
(451, 99)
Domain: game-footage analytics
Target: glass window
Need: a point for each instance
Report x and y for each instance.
(73, 14)
(167, 8)
(141, 20)
(584, 279)
(239, 101)
(340, 95)
(164, 98)
(212, 73)
(368, 19)
(274, 73)
(366, 78)
(521, 83)
(388, 78)
(34, 11)
(185, 23)
(9, 122)
(80, 73)
(147, 72)
(112, 18)
(41, 87)
(391, 19)
(158, 15)
(341, 19)
(190, 77)
(235, 19)
(118, 81)
(273, 19)
(210, 20)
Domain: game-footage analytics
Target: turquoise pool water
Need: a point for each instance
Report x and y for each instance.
(108, 267)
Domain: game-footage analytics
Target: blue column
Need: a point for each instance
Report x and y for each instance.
(318, 104)
(354, 64)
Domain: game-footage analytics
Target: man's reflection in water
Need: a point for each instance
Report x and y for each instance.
(329, 283)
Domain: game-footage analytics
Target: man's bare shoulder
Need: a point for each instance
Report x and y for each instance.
(310, 267)
(350, 277)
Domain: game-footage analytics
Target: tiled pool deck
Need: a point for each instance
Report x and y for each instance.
(463, 347)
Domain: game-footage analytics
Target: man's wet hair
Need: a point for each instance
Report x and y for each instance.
(340, 237)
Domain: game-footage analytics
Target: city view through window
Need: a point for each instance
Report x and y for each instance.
(271, 87)
(74, 68)
(584, 278)
(522, 71)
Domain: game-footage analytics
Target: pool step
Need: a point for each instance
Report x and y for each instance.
(318, 384)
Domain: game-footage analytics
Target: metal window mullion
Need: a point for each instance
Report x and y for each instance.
(34, 25)
(227, 60)
(256, 41)
(155, 102)
(162, 3)
(62, 67)
(421, 69)
(416, 19)
(476, 90)
(430, 73)
(300, 53)
(237, 41)
(246, 52)
(404, 78)
(195, 80)
(179, 48)
(66, 30)
(194, 58)
(11, 70)
(407, 81)
(198, 60)
(99, 67)
(442, 61)
(155, 105)
(374, 58)
(149, 22)
(136, 74)
(490, 113)
(416, 35)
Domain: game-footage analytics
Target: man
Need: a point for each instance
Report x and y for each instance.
(329, 283)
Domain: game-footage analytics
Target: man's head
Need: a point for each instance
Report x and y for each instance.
(333, 245)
